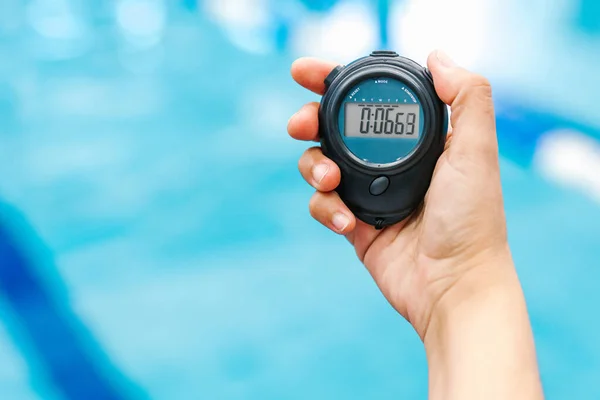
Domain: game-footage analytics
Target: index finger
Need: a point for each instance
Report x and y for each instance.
(311, 73)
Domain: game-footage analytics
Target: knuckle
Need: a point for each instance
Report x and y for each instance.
(479, 86)
(302, 164)
(315, 150)
(479, 80)
(307, 158)
(313, 205)
(309, 110)
(476, 93)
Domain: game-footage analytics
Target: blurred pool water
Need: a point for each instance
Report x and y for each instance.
(155, 240)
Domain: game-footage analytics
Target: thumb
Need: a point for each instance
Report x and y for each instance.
(470, 99)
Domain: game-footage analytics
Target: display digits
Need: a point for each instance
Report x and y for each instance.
(389, 123)
(399, 124)
(380, 120)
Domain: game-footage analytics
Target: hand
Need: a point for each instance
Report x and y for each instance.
(447, 269)
(458, 235)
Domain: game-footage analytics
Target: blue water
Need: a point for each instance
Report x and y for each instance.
(154, 234)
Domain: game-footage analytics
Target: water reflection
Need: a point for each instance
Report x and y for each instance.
(141, 21)
(62, 32)
(348, 31)
(572, 159)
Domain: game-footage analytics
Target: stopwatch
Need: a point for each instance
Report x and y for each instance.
(382, 122)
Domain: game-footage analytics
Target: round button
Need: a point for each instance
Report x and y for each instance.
(379, 185)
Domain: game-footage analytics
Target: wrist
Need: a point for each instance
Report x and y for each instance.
(438, 286)
(469, 283)
(479, 331)
(477, 291)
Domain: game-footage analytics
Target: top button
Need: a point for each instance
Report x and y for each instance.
(384, 53)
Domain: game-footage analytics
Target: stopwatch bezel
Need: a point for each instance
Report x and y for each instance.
(409, 73)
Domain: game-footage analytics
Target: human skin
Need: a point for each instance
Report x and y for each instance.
(448, 268)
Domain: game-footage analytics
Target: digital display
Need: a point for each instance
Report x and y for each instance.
(381, 120)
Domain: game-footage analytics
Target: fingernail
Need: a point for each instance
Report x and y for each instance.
(340, 221)
(445, 59)
(319, 172)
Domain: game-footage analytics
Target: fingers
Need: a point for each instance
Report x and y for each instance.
(470, 98)
(328, 209)
(319, 171)
(325, 205)
(304, 125)
(311, 73)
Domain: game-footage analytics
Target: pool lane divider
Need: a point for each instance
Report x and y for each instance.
(61, 353)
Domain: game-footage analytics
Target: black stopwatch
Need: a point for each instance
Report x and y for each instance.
(382, 122)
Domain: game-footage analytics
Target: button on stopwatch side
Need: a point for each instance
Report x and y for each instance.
(335, 72)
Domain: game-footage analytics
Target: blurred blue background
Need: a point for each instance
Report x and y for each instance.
(154, 234)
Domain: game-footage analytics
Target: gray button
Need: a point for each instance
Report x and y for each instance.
(379, 185)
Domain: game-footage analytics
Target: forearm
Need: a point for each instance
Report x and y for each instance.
(479, 343)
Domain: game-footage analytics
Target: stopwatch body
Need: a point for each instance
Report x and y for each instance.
(382, 122)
